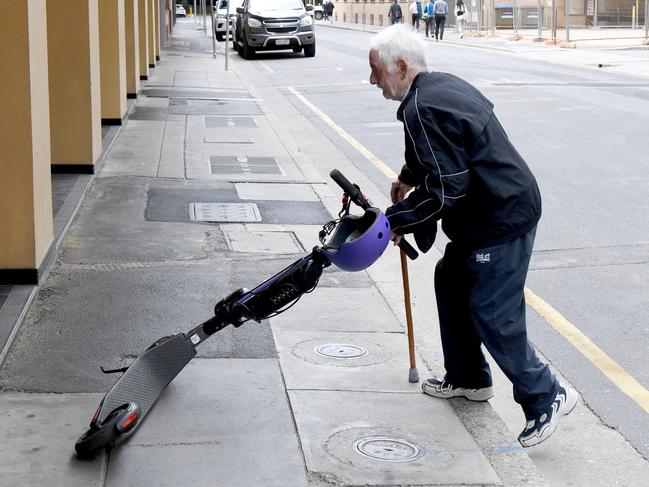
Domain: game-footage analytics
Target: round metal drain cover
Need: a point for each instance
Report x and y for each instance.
(340, 350)
(386, 449)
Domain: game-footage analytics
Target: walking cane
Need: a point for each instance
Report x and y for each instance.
(413, 375)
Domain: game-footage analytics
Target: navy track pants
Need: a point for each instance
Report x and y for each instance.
(480, 300)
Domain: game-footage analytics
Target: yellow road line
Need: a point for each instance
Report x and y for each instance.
(266, 67)
(378, 163)
(592, 352)
(611, 369)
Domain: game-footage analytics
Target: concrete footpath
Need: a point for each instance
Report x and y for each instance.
(316, 396)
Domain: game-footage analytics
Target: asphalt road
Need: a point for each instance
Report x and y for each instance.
(584, 134)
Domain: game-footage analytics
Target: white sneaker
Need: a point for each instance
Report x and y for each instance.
(445, 390)
(540, 428)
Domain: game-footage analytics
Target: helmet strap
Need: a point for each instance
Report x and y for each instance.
(346, 204)
(327, 228)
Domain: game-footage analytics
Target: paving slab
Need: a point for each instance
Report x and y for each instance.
(345, 361)
(172, 205)
(38, 434)
(333, 424)
(111, 221)
(118, 311)
(279, 191)
(228, 139)
(340, 309)
(200, 146)
(209, 423)
(172, 162)
(263, 242)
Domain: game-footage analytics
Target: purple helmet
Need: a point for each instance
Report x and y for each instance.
(358, 241)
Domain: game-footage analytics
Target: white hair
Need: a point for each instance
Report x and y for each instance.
(399, 42)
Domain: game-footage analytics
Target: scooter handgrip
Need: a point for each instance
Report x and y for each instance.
(408, 249)
(346, 186)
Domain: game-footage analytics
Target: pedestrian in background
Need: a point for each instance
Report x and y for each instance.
(460, 10)
(441, 11)
(428, 16)
(328, 8)
(415, 7)
(395, 14)
(461, 168)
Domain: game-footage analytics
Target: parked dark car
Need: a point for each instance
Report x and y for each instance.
(270, 25)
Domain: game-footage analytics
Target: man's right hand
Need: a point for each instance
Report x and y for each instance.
(399, 190)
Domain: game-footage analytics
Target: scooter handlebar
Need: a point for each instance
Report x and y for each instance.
(358, 198)
(352, 190)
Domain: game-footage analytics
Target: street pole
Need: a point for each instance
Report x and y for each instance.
(538, 19)
(646, 25)
(194, 12)
(205, 17)
(514, 23)
(595, 14)
(554, 21)
(493, 17)
(364, 2)
(227, 32)
(567, 7)
(214, 31)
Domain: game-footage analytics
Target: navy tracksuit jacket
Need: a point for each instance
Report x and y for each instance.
(466, 173)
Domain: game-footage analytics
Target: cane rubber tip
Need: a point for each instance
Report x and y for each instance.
(413, 376)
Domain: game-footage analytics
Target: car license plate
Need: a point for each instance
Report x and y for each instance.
(283, 42)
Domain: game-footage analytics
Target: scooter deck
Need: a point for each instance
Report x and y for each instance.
(149, 375)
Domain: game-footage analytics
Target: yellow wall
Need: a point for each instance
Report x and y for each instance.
(143, 9)
(112, 47)
(132, 47)
(74, 81)
(151, 31)
(26, 229)
(156, 21)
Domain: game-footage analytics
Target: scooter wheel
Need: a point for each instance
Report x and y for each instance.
(98, 437)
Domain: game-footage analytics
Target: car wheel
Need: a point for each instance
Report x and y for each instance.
(237, 47)
(297, 50)
(309, 51)
(248, 52)
(318, 15)
(219, 37)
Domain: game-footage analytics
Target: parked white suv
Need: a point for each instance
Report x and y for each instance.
(220, 14)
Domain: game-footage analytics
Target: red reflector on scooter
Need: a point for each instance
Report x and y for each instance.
(131, 417)
(96, 415)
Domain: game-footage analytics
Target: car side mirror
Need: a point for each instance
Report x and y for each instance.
(309, 8)
(240, 10)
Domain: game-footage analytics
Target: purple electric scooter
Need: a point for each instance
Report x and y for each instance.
(351, 242)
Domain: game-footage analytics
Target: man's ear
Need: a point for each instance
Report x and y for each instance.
(402, 66)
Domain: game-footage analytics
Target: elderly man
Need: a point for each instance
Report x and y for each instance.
(461, 168)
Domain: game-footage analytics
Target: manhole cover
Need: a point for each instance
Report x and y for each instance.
(224, 212)
(386, 449)
(340, 350)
